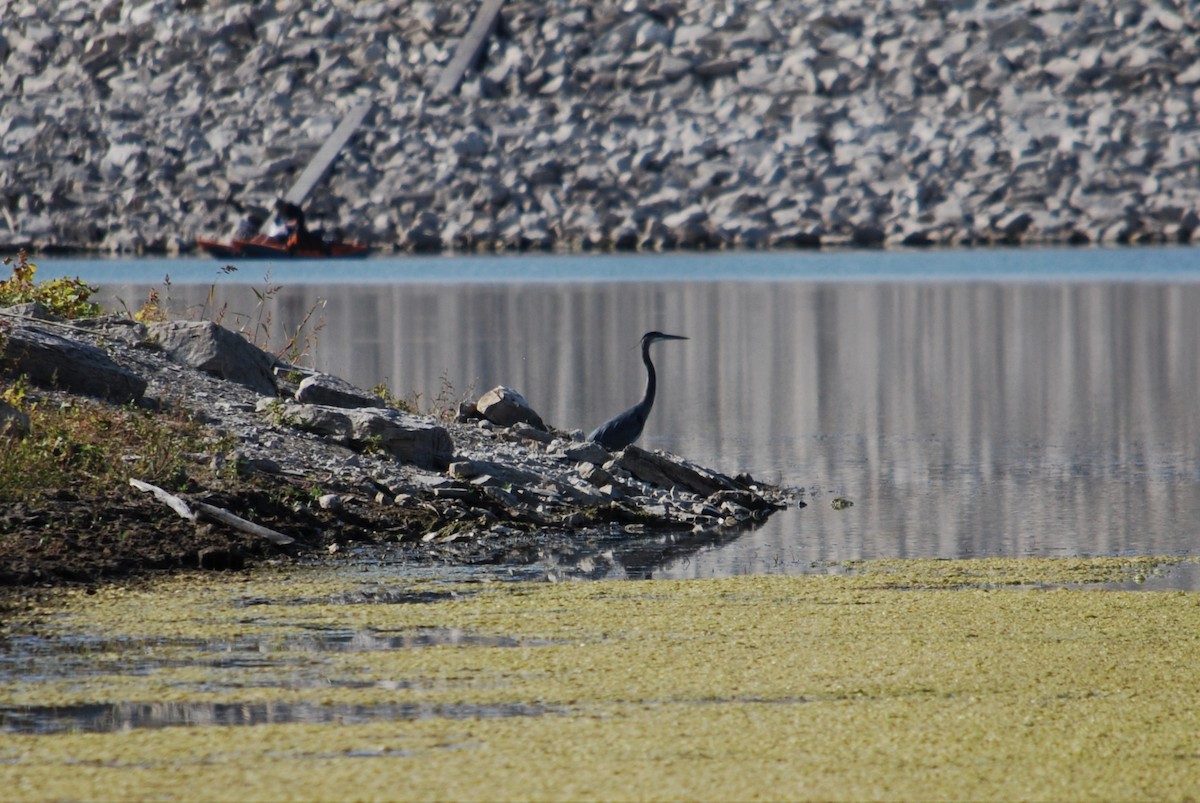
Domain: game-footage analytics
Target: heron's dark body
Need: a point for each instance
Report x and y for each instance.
(621, 430)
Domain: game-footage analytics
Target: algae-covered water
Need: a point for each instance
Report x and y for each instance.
(932, 680)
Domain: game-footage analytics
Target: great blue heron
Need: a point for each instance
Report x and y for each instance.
(622, 430)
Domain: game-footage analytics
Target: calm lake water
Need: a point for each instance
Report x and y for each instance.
(969, 403)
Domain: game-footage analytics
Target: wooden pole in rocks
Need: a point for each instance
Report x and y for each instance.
(469, 48)
(319, 165)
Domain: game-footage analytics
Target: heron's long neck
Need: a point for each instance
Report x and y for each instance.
(651, 380)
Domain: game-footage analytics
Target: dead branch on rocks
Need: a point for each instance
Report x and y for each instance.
(204, 511)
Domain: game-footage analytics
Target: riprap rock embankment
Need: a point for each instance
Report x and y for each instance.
(634, 124)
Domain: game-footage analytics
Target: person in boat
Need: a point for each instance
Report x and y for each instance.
(299, 237)
(279, 230)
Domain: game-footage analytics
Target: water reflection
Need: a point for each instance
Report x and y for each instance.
(43, 657)
(121, 717)
(290, 653)
(342, 640)
(963, 419)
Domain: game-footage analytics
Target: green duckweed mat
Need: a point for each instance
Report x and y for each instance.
(897, 680)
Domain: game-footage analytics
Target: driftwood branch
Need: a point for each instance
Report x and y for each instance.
(223, 516)
(209, 512)
(170, 500)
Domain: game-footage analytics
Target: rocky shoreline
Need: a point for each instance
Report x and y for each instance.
(298, 464)
(136, 127)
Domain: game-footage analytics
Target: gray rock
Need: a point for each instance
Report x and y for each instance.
(334, 391)
(530, 433)
(587, 452)
(13, 422)
(1014, 225)
(215, 350)
(33, 310)
(493, 472)
(330, 502)
(407, 438)
(504, 407)
(51, 360)
(868, 235)
(470, 143)
(667, 471)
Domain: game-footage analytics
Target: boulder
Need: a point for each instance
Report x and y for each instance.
(217, 351)
(504, 407)
(334, 391)
(33, 309)
(587, 452)
(51, 360)
(493, 472)
(405, 437)
(668, 471)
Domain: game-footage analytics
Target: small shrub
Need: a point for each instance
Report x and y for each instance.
(278, 413)
(152, 309)
(65, 297)
(411, 404)
(446, 403)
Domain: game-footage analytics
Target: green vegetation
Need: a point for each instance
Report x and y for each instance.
(65, 297)
(443, 406)
(906, 680)
(278, 414)
(408, 404)
(82, 445)
(90, 447)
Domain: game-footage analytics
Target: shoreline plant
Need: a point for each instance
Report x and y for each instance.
(65, 297)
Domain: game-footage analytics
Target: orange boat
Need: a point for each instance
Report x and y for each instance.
(262, 247)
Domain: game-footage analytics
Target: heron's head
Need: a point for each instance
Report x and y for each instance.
(654, 337)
